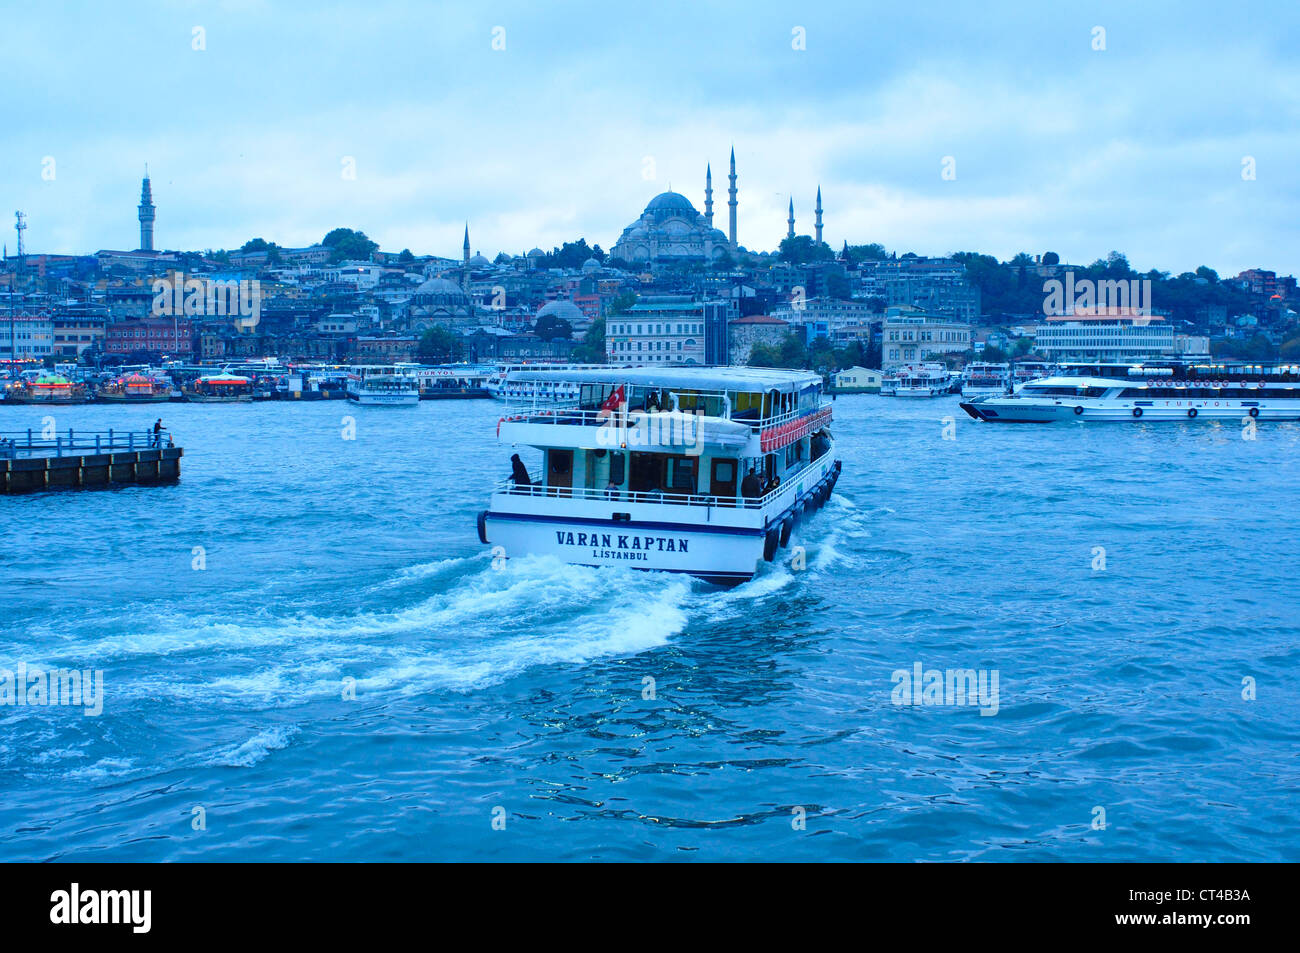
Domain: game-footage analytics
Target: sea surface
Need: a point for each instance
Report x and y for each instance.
(307, 654)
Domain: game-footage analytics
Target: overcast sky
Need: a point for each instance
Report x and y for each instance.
(592, 109)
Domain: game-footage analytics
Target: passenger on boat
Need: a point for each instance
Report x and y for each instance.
(750, 488)
(611, 490)
(519, 472)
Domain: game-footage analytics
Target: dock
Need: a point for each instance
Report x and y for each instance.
(31, 461)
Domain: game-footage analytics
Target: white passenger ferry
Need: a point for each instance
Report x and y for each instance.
(703, 471)
(387, 384)
(981, 379)
(1149, 392)
(502, 384)
(920, 380)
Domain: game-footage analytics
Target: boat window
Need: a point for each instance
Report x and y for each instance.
(682, 473)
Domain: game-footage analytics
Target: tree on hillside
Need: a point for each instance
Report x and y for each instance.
(802, 249)
(549, 327)
(345, 244)
(439, 345)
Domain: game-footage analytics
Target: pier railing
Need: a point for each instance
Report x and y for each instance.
(72, 443)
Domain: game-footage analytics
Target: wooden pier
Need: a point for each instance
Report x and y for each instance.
(30, 462)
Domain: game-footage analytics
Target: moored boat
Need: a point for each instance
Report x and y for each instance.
(1151, 391)
(223, 388)
(920, 380)
(982, 379)
(49, 389)
(383, 385)
(135, 389)
(704, 471)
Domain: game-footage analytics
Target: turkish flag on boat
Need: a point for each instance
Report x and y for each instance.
(612, 402)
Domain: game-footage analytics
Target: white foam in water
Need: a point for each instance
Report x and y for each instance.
(256, 748)
(490, 626)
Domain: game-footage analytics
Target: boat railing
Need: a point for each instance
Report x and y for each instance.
(573, 415)
(30, 443)
(627, 496)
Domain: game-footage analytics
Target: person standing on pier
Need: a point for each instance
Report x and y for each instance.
(157, 432)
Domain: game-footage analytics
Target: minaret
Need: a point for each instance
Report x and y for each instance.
(146, 214)
(819, 215)
(464, 271)
(731, 200)
(789, 233)
(708, 195)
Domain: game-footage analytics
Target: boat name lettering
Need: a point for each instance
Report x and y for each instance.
(615, 542)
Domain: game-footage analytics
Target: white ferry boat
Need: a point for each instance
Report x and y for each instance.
(503, 384)
(386, 384)
(703, 471)
(920, 380)
(1025, 371)
(1149, 392)
(981, 379)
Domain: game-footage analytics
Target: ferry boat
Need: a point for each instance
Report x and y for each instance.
(986, 380)
(1025, 371)
(705, 471)
(135, 389)
(920, 380)
(383, 384)
(223, 388)
(49, 389)
(503, 385)
(465, 382)
(1150, 392)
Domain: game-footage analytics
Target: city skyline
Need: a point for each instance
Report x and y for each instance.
(580, 120)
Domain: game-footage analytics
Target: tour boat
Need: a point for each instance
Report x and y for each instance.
(223, 388)
(985, 380)
(1025, 371)
(49, 389)
(503, 384)
(921, 380)
(1150, 392)
(464, 382)
(136, 389)
(383, 384)
(705, 471)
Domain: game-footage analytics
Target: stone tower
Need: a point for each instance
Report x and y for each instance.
(147, 213)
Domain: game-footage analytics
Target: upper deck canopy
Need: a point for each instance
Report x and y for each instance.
(749, 379)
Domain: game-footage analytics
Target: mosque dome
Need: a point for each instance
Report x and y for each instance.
(440, 291)
(671, 202)
(478, 261)
(562, 310)
(591, 266)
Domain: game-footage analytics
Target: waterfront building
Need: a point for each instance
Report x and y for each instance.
(1113, 334)
(26, 337)
(858, 380)
(668, 329)
(78, 327)
(910, 335)
(170, 336)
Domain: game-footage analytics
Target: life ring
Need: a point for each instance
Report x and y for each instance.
(482, 527)
(787, 527)
(769, 544)
(1137, 411)
(1078, 411)
(1191, 411)
(1254, 411)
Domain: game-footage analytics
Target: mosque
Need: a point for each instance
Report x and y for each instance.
(671, 230)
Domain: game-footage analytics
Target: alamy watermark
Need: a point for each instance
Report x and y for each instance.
(955, 686)
(56, 687)
(1089, 297)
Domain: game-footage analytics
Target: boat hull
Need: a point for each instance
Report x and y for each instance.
(1013, 410)
(385, 400)
(724, 556)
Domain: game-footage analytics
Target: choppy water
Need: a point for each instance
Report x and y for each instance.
(522, 689)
